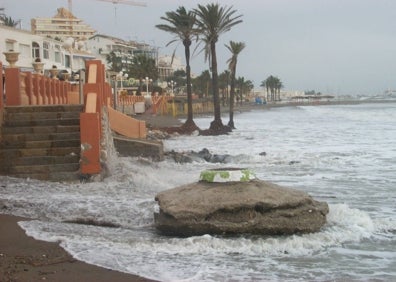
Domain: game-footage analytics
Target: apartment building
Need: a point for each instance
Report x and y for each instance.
(31, 46)
(62, 26)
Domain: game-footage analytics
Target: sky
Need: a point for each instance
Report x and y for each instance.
(339, 47)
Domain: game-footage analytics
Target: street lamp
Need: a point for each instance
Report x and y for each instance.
(172, 84)
(147, 80)
(122, 75)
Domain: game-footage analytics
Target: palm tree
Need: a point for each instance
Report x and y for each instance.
(182, 24)
(272, 83)
(223, 79)
(8, 21)
(143, 66)
(213, 21)
(279, 86)
(265, 85)
(235, 48)
(114, 62)
(202, 83)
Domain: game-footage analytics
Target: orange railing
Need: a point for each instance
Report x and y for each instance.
(26, 88)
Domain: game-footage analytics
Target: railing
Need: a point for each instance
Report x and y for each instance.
(26, 88)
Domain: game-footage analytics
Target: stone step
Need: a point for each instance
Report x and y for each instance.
(25, 116)
(24, 169)
(40, 144)
(6, 154)
(41, 129)
(41, 122)
(39, 160)
(47, 108)
(23, 137)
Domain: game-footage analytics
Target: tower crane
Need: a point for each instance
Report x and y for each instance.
(126, 2)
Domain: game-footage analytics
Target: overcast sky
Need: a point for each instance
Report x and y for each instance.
(332, 46)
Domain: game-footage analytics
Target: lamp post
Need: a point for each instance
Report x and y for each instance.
(122, 75)
(172, 84)
(147, 80)
(147, 97)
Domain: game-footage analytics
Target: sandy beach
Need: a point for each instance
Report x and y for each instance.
(23, 258)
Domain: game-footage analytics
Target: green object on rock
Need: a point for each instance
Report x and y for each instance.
(227, 175)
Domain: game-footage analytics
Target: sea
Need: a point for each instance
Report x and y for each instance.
(344, 155)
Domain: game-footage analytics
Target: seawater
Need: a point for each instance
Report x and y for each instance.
(344, 155)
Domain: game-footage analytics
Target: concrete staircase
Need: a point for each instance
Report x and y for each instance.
(41, 142)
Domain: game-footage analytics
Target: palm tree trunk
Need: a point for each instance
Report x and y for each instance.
(216, 124)
(189, 124)
(232, 98)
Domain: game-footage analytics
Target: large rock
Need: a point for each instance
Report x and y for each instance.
(251, 207)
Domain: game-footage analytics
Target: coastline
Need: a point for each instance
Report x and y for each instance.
(23, 258)
(154, 121)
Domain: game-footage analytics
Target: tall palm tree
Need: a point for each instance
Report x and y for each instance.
(143, 66)
(235, 48)
(182, 24)
(214, 20)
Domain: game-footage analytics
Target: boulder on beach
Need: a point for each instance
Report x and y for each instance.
(238, 207)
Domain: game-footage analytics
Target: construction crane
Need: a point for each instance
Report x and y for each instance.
(126, 2)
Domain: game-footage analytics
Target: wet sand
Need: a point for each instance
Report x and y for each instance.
(23, 258)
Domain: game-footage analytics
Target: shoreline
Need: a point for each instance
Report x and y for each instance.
(23, 258)
(158, 121)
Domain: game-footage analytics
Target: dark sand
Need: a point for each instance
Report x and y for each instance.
(23, 258)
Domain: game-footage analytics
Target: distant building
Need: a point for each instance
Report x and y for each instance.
(31, 47)
(102, 45)
(167, 66)
(62, 26)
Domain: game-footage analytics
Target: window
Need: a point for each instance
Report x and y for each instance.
(58, 57)
(35, 50)
(46, 47)
(67, 61)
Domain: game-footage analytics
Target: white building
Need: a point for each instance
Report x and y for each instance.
(62, 26)
(102, 45)
(50, 51)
